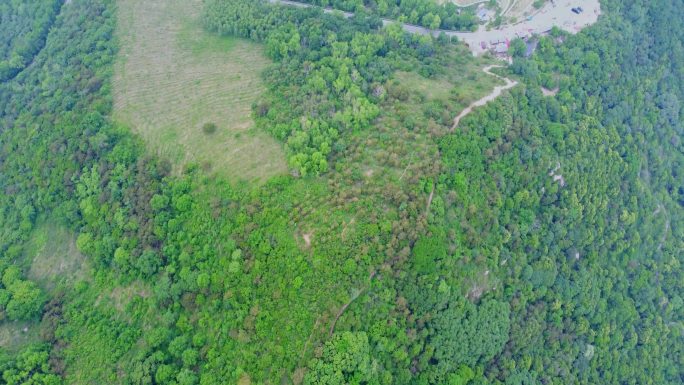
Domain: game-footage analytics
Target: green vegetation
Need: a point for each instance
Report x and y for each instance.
(52, 256)
(171, 77)
(334, 88)
(19, 299)
(427, 13)
(209, 128)
(432, 89)
(461, 79)
(538, 243)
(30, 367)
(24, 26)
(15, 336)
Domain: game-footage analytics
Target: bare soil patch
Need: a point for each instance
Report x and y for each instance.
(548, 92)
(307, 239)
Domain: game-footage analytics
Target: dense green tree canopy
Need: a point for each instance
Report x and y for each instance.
(24, 26)
(537, 243)
(428, 13)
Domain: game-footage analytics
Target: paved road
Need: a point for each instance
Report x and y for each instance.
(557, 14)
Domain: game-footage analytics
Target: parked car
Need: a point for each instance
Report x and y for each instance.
(577, 11)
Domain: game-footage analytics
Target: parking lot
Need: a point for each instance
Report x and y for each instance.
(557, 13)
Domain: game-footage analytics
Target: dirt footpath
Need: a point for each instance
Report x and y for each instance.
(493, 95)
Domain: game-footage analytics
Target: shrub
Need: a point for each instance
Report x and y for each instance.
(209, 128)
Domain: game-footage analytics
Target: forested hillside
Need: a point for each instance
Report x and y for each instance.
(23, 27)
(428, 13)
(538, 242)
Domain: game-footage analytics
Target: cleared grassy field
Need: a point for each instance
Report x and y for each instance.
(53, 257)
(172, 78)
(14, 335)
(465, 82)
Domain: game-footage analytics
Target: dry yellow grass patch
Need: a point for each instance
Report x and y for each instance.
(172, 77)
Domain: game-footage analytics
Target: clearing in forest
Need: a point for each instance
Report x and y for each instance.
(188, 93)
(15, 335)
(463, 83)
(496, 92)
(50, 258)
(472, 86)
(53, 256)
(402, 146)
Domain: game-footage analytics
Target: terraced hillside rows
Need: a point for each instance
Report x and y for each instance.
(172, 79)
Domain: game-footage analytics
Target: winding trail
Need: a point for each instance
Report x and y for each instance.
(498, 90)
(429, 202)
(663, 237)
(424, 31)
(355, 295)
